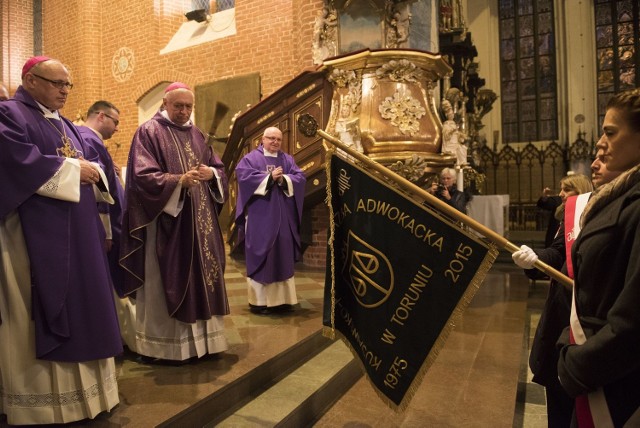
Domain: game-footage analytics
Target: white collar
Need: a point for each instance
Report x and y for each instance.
(96, 132)
(50, 114)
(268, 153)
(166, 116)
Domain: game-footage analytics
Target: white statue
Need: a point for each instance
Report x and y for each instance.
(347, 126)
(325, 33)
(452, 137)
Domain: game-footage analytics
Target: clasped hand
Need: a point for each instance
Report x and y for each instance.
(277, 174)
(195, 176)
(88, 172)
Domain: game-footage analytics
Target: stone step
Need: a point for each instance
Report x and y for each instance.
(292, 389)
(304, 395)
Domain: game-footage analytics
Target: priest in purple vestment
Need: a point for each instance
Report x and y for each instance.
(268, 215)
(58, 330)
(102, 122)
(172, 247)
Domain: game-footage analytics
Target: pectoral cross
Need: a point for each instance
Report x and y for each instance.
(67, 150)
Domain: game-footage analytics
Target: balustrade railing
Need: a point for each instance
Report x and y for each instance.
(523, 170)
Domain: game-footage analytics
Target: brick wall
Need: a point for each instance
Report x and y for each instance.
(316, 253)
(16, 24)
(273, 38)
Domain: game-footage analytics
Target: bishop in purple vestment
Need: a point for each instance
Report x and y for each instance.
(59, 329)
(268, 215)
(73, 307)
(172, 248)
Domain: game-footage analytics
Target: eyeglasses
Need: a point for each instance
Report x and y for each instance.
(272, 138)
(116, 122)
(56, 83)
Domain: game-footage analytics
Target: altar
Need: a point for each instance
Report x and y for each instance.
(491, 211)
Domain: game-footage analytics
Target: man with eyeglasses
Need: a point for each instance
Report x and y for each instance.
(103, 119)
(268, 217)
(59, 330)
(172, 246)
(102, 122)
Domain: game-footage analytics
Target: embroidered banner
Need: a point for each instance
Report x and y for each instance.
(398, 276)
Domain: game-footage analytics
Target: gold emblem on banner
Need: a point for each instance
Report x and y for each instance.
(368, 271)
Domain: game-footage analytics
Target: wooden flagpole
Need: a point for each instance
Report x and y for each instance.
(309, 129)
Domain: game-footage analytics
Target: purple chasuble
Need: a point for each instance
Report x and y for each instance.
(271, 223)
(190, 246)
(72, 302)
(95, 143)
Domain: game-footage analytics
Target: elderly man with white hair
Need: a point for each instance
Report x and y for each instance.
(445, 189)
(172, 246)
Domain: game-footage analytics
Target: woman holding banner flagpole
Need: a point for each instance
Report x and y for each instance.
(599, 361)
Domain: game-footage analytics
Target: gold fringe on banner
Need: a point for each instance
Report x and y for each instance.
(330, 332)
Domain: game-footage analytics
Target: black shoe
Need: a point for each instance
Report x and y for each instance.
(259, 310)
(283, 308)
(143, 359)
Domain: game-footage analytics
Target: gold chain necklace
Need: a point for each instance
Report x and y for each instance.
(67, 150)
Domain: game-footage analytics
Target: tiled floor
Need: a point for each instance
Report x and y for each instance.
(532, 405)
(474, 381)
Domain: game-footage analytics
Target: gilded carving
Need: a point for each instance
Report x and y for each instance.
(403, 111)
(400, 71)
(266, 116)
(307, 166)
(306, 90)
(383, 105)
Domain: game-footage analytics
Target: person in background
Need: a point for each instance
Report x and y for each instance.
(599, 360)
(446, 190)
(102, 122)
(4, 93)
(550, 202)
(58, 330)
(103, 119)
(268, 215)
(600, 174)
(554, 318)
(172, 246)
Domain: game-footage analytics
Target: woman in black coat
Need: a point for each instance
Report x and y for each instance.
(600, 353)
(543, 358)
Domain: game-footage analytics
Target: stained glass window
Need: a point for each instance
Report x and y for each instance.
(225, 4)
(528, 70)
(617, 30)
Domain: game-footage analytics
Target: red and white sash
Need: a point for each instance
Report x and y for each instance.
(591, 409)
